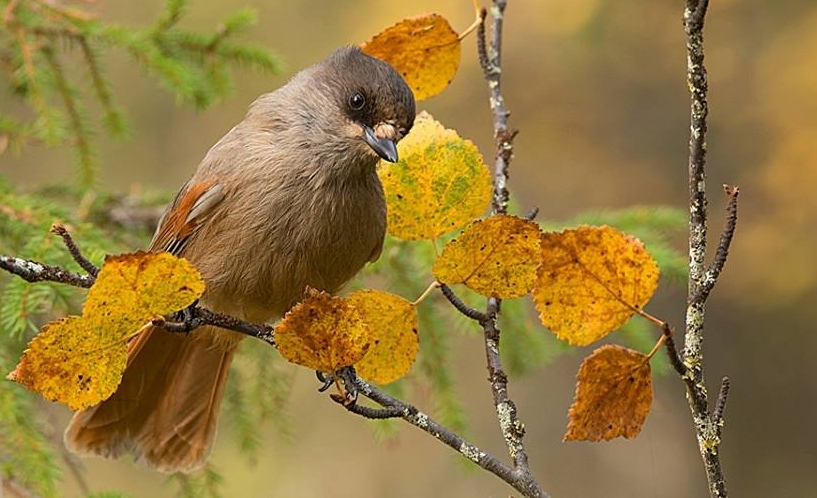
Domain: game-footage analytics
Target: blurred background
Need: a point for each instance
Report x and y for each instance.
(597, 89)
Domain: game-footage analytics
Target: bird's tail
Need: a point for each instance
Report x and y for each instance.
(166, 408)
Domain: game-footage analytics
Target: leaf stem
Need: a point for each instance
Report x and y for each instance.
(433, 285)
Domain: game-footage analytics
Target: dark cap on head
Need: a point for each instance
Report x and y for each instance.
(373, 95)
(350, 103)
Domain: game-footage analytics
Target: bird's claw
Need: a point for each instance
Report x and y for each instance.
(344, 379)
(327, 380)
(186, 319)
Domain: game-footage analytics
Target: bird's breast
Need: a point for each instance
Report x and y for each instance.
(293, 237)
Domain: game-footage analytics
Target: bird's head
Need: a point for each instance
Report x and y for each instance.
(374, 104)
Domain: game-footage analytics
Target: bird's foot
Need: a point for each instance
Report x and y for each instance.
(344, 380)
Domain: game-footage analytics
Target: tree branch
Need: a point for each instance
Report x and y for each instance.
(701, 281)
(672, 352)
(32, 271)
(195, 316)
(490, 57)
(191, 318)
(513, 430)
(517, 478)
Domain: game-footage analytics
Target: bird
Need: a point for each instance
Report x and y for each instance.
(288, 199)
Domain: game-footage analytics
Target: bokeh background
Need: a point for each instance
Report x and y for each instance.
(597, 89)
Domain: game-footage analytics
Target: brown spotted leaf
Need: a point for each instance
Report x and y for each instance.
(613, 395)
(65, 363)
(324, 333)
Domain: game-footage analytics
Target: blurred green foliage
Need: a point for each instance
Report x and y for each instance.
(43, 45)
(50, 58)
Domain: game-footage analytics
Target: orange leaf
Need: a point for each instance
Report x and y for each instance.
(613, 395)
(590, 281)
(323, 332)
(494, 257)
(425, 50)
(392, 321)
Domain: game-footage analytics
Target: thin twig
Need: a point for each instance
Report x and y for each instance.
(722, 252)
(76, 254)
(33, 271)
(672, 352)
(513, 430)
(482, 48)
(369, 412)
(197, 316)
(720, 403)
(532, 214)
(502, 135)
(463, 308)
(708, 430)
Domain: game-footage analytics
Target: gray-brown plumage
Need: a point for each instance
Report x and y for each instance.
(289, 198)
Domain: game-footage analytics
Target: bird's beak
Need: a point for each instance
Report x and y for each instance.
(384, 147)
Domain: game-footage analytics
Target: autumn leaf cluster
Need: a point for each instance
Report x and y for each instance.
(585, 282)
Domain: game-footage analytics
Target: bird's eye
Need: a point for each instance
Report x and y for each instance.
(357, 101)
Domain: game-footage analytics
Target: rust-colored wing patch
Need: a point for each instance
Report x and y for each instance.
(191, 207)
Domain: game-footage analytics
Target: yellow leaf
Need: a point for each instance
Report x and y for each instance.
(590, 281)
(65, 363)
(392, 322)
(440, 184)
(425, 50)
(613, 395)
(79, 360)
(142, 285)
(494, 257)
(323, 332)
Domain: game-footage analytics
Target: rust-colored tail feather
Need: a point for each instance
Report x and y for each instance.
(166, 407)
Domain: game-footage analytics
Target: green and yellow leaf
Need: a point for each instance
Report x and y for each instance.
(440, 184)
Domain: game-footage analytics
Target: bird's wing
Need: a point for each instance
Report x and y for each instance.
(189, 210)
